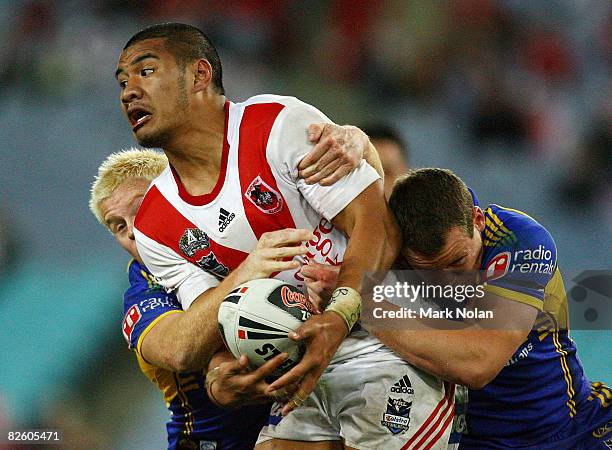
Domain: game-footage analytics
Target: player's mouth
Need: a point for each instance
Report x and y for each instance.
(138, 116)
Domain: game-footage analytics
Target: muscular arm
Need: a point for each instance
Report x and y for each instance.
(467, 353)
(186, 341)
(374, 237)
(472, 356)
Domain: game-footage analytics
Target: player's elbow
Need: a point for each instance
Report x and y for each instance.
(188, 360)
(181, 362)
(476, 379)
(479, 372)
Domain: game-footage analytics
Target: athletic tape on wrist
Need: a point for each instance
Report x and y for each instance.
(346, 302)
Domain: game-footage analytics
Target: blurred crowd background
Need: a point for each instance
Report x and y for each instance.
(514, 96)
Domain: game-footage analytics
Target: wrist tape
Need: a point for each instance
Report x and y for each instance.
(346, 302)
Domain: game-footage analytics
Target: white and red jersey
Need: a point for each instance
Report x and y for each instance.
(190, 242)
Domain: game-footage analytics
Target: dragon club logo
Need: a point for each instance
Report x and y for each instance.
(266, 199)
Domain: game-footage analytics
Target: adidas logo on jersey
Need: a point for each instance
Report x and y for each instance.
(225, 217)
(403, 386)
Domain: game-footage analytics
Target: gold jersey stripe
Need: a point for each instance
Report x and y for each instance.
(185, 404)
(494, 227)
(600, 388)
(543, 336)
(150, 280)
(497, 221)
(491, 238)
(604, 401)
(566, 374)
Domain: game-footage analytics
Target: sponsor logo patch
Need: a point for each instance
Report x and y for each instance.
(225, 218)
(211, 264)
(263, 196)
(397, 415)
(293, 298)
(132, 316)
(498, 266)
(293, 301)
(192, 240)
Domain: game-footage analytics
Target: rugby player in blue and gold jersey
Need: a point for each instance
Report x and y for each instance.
(527, 385)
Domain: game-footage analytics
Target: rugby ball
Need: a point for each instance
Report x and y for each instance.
(254, 320)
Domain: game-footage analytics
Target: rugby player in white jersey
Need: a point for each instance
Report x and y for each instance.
(233, 176)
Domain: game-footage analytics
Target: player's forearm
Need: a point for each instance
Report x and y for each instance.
(461, 356)
(201, 338)
(374, 238)
(186, 342)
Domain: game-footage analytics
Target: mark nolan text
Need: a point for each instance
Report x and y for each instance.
(431, 313)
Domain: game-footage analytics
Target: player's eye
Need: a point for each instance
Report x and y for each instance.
(120, 228)
(146, 72)
(458, 262)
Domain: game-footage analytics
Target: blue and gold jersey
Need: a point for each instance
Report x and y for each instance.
(195, 421)
(541, 397)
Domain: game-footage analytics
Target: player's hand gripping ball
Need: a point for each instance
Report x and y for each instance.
(255, 318)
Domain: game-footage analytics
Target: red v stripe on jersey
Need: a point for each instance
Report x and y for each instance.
(160, 221)
(438, 417)
(255, 127)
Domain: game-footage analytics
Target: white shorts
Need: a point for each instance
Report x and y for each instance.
(374, 401)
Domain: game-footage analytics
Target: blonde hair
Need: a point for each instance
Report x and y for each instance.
(119, 167)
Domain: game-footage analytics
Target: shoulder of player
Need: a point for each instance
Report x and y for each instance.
(154, 198)
(286, 101)
(141, 279)
(517, 234)
(288, 108)
(513, 225)
(135, 270)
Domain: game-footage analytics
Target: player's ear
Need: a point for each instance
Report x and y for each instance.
(202, 75)
(478, 218)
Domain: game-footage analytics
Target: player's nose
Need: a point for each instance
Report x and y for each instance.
(131, 92)
(130, 230)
